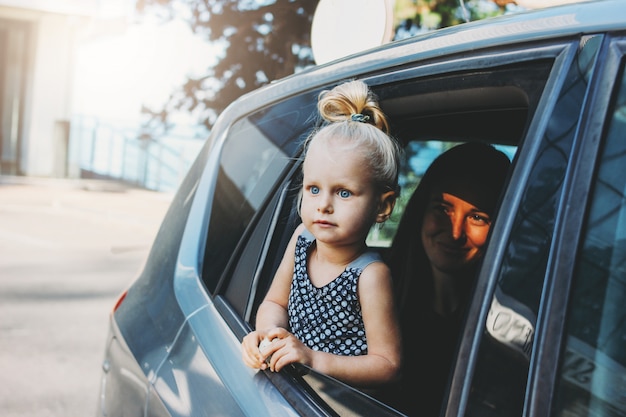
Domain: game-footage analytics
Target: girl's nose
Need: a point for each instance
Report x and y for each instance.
(325, 204)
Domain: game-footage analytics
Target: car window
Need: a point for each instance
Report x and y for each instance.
(430, 113)
(418, 155)
(256, 153)
(501, 370)
(446, 110)
(593, 369)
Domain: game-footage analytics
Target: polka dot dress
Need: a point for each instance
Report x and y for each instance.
(328, 319)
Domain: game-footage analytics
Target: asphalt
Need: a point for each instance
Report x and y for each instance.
(68, 248)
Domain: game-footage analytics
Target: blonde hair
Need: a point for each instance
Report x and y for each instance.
(350, 98)
(351, 111)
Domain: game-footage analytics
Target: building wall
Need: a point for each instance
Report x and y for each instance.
(89, 68)
(51, 93)
(55, 30)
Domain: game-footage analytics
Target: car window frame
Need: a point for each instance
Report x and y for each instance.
(462, 375)
(463, 64)
(578, 189)
(516, 55)
(542, 367)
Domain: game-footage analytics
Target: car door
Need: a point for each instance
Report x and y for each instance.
(591, 374)
(447, 101)
(524, 355)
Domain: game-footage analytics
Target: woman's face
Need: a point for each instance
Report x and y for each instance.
(455, 228)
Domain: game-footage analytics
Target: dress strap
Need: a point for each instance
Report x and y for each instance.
(307, 235)
(365, 259)
(359, 263)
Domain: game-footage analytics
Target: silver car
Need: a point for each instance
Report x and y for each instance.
(545, 334)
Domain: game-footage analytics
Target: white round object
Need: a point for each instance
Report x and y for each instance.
(344, 27)
(264, 343)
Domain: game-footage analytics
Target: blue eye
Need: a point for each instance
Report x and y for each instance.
(344, 193)
(314, 190)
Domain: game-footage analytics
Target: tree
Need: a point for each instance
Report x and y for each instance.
(434, 14)
(263, 40)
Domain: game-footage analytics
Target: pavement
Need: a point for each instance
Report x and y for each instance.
(68, 248)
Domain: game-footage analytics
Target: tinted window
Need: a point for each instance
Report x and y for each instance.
(499, 383)
(255, 154)
(593, 370)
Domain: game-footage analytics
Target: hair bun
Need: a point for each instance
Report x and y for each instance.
(352, 101)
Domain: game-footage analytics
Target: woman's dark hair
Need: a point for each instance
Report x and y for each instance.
(473, 162)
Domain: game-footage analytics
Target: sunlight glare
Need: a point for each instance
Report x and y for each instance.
(116, 75)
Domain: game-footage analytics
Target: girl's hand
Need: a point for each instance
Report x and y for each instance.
(274, 349)
(250, 352)
(258, 346)
(284, 349)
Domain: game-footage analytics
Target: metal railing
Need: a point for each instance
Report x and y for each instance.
(121, 152)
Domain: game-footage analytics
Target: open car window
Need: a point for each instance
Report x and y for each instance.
(428, 115)
(418, 155)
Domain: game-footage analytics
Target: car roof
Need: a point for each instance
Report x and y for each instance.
(558, 21)
(569, 20)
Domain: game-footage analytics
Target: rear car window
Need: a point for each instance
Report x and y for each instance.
(258, 150)
(249, 229)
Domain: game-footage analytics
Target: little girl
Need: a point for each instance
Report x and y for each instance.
(330, 305)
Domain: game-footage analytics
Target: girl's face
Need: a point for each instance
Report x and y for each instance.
(454, 230)
(339, 200)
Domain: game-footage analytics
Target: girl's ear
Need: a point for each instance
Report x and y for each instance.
(385, 206)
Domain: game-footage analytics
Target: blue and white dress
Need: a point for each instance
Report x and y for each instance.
(329, 318)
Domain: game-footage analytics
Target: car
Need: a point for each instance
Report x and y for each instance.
(545, 333)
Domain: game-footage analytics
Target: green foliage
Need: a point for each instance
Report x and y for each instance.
(435, 14)
(263, 41)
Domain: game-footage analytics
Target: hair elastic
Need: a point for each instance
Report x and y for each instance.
(359, 118)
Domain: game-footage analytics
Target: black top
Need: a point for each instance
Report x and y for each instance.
(429, 343)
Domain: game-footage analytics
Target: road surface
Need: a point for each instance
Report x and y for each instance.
(67, 250)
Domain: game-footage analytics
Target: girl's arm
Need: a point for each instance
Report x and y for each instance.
(272, 312)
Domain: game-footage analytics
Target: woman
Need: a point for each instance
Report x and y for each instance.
(434, 257)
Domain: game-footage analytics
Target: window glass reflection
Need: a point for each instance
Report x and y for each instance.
(255, 154)
(501, 372)
(593, 372)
